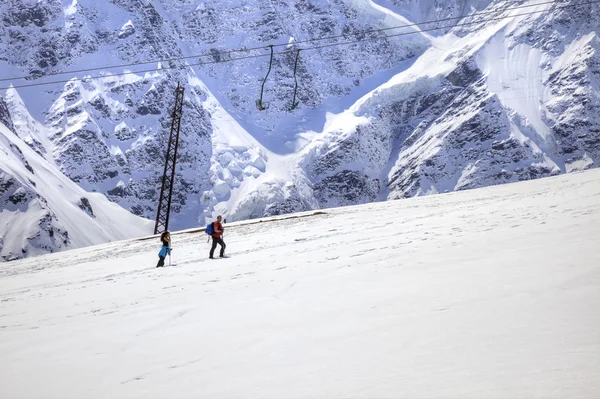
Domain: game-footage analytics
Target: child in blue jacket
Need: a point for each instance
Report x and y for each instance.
(165, 238)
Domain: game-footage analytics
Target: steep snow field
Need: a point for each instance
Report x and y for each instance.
(491, 293)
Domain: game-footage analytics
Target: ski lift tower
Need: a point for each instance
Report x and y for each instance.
(168, 180)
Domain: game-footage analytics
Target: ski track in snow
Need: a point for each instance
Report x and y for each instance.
(485, 293)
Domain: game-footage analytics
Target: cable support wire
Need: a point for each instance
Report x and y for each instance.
(163, 68)
(248, 49)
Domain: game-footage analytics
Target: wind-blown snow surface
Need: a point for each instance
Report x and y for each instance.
(504, 97)
(41, 210)
(486, 293)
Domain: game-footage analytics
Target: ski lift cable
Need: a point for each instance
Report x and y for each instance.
(318, 39)
(289, 51)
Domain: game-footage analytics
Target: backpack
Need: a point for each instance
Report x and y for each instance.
(209, 229)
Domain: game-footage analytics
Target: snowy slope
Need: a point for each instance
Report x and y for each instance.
(436, 109)
(485, 293)
(43, 211)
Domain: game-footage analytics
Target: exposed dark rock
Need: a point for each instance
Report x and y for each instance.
(18, 198)
(84, 205)
(345, 188)
(5, 116)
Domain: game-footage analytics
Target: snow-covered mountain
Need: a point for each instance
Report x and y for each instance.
(511, 93)
(44, 211)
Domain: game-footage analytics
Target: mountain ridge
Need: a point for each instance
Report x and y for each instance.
(498, 99)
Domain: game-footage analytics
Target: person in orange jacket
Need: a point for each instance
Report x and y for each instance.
(217, 238)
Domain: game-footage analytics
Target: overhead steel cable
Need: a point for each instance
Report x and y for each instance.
(292, 50)
(248, 49)
(450, 26)
(131, 72)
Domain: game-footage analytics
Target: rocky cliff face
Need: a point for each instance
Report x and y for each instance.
(399, 114)
(506, 107)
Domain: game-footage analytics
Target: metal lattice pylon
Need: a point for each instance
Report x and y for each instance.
(168, 180)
